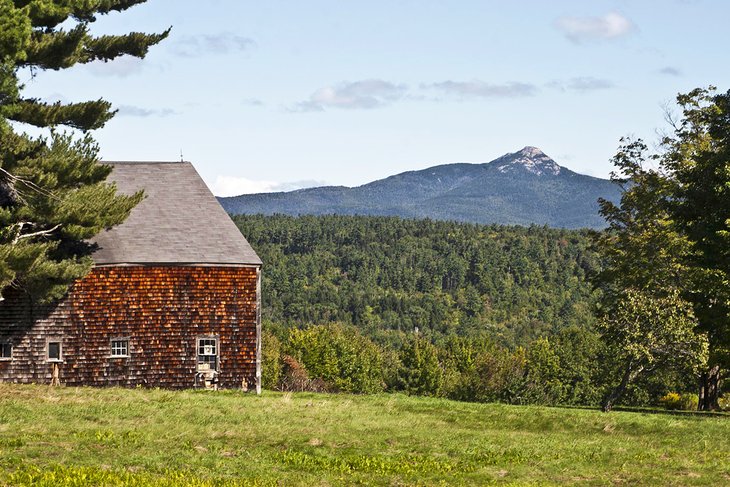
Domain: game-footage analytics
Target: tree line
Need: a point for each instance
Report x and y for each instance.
(516, 324)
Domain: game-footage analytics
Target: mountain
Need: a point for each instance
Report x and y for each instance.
(520, 188)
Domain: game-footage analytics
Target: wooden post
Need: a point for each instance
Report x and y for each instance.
(55, 374)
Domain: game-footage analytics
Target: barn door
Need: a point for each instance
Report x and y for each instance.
(207, 358)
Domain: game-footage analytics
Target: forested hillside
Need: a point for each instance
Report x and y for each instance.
(388, 275)
(469, 312)
(521, 188)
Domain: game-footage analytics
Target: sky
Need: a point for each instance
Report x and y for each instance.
(283, 94)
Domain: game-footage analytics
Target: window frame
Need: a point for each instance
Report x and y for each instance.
(60, 350)
(10, 346)
(111, 347)
(198, 345)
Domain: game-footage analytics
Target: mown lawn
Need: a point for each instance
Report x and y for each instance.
(67, 436)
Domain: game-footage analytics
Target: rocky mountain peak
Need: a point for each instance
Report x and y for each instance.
(529, 151)
(530, 159)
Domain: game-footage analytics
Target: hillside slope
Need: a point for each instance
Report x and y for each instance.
(523, 188)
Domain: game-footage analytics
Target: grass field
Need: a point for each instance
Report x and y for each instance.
(67, 436)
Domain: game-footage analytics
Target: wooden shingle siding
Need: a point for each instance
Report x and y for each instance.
(161, 310)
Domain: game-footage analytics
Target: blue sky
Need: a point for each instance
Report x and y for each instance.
(276, 95)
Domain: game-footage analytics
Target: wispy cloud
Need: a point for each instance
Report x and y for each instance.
(670, 71)
(610, 26)
(133, 111)
(364, 94)
(120, 67)
(482, 89)
(582, 84)
(234, 186)
(253, 102)
(223, 43)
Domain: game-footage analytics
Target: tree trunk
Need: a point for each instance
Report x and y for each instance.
(616, 393)
(709, 389)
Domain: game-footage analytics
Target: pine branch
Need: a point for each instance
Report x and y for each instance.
(88, 115)
(62, 49)
(14, 179)
(106, 48)
(49, 14)
(20, 236)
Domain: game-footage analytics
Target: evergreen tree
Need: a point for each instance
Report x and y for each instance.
(420, 372)
(52, 191)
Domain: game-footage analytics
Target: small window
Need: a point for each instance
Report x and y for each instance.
(207, 353)
(120, 347)
(6, 351)
(55, 352)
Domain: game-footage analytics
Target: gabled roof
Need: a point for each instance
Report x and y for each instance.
(178, 222)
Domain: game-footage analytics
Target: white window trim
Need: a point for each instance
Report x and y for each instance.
(111, 348)
(60, 350)
(217, 353)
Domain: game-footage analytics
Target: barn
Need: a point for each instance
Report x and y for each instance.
(173, 299)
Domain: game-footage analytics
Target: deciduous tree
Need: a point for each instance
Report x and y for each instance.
(671, 231)
(647, 333)
(697, 155)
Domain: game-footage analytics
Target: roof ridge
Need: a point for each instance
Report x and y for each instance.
(144, 162)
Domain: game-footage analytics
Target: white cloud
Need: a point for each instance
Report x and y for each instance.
(120, 67)
(133, 111)
(670, 71)
(235, 186)
(223, 43)
(582, 84)
(364, 94)
(482, 89)
(613, 25)
(253, 102)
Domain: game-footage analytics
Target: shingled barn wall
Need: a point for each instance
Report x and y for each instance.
(162, 310)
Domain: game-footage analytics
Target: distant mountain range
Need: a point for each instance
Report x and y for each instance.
(521, 188)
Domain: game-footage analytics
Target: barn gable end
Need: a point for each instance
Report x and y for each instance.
(173, 300)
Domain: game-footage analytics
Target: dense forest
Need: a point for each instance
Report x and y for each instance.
(389, 276)
(469, 312)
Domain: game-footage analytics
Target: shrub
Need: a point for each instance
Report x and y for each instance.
(340, 356)
(420, 372)
(724, 402)
(296, 379)
(685, 401)
(271, 360)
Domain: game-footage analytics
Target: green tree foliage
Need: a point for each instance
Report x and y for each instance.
(271, 360)
(670, 232)
(647, 333)
(516, 325)
(338, 355)
(420, 371)
(641, 247)
(388, 276)
(542, 374)
(52, 191)
(697, 155)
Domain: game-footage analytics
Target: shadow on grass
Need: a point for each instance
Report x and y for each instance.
(654, 410)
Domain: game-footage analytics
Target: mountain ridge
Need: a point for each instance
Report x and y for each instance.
(520, 188)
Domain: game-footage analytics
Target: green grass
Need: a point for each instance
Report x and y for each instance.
(67, 436)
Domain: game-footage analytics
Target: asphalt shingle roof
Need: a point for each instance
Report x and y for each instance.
(178, 222)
